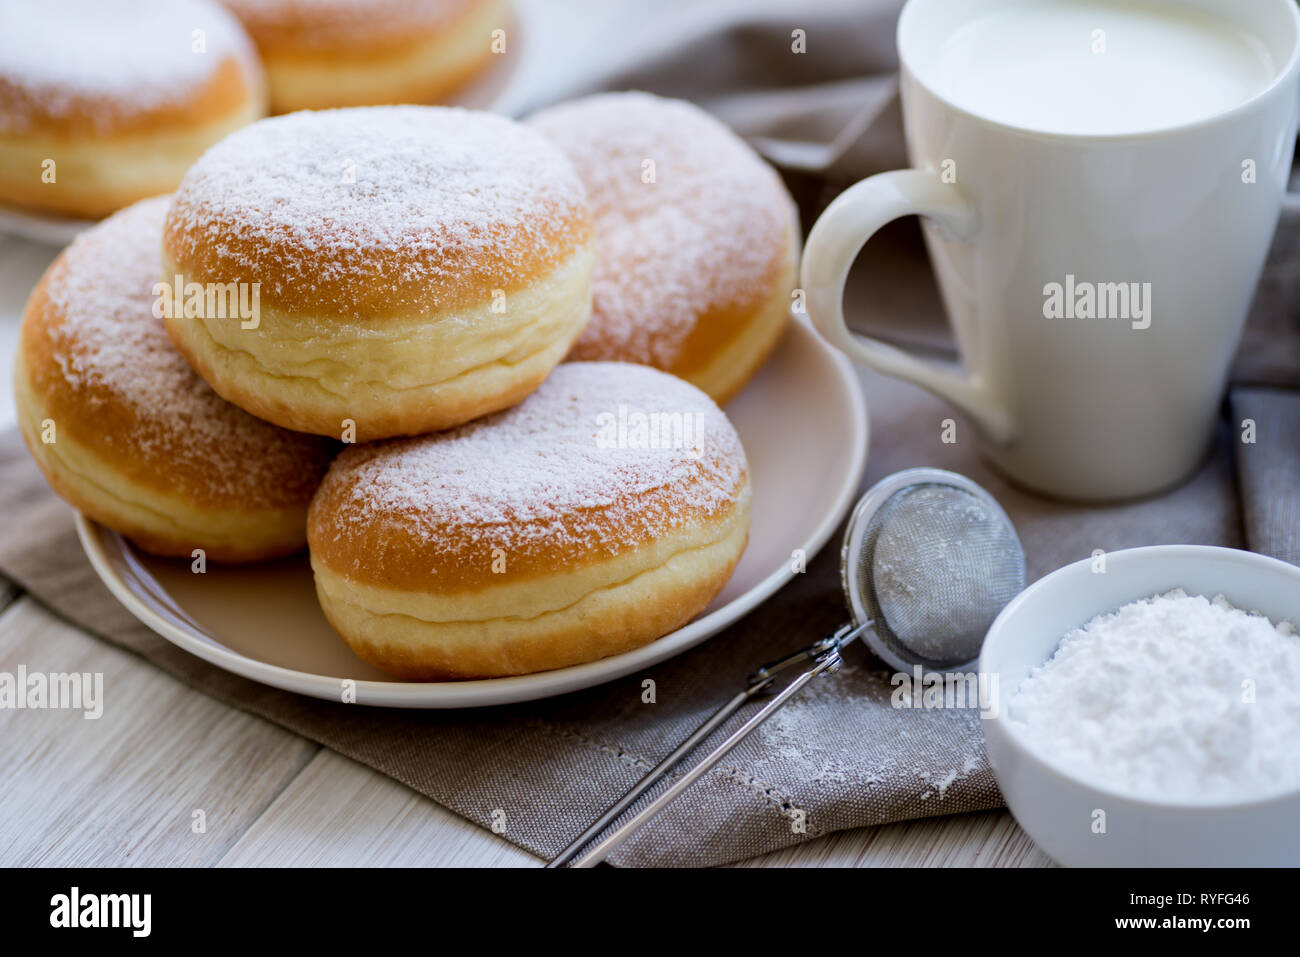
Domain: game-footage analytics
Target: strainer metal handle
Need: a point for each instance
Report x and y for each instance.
(973, 565)
(657, 773)
(825, 657)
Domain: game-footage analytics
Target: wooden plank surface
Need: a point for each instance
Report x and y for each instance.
(340, 813)
(121, 790)
(989, 839)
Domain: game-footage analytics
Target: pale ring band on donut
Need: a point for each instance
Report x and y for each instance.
(606, 510)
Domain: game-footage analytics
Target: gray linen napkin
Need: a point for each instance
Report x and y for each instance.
(841, 756)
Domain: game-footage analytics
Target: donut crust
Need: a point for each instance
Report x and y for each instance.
(448, 557)
(169, 485)
(612, 607)
(158, 519)
(443, 287)
(698, 253)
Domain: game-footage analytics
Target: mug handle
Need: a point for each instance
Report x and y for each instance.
(835, 241)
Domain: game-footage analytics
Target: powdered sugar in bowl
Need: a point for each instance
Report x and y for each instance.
(1083, 817)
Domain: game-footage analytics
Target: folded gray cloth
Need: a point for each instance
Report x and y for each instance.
(840, 756)
(1268, 469)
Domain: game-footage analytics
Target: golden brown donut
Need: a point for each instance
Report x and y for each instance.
(326, 53)
(698, 239)
(105, 102)
(419, 266)
(127, 433)
(605, 511)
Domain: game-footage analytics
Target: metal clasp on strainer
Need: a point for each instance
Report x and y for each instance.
(762, 679)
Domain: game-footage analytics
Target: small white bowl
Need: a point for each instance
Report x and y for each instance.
(1055, 804)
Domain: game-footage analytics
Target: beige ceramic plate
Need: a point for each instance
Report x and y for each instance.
(804, 426)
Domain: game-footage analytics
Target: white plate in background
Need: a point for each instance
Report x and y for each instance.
(45, 228)
(803, 423)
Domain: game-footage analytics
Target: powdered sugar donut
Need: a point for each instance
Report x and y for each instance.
(416, 267)
(603, 512)
(124, 429)
(324, 53)
(698, 239)
(104, 102)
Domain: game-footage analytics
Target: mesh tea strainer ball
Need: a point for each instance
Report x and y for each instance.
(929, 559)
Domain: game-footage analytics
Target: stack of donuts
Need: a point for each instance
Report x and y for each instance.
(472, 364)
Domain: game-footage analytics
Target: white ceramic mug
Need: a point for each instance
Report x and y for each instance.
(1179, 216)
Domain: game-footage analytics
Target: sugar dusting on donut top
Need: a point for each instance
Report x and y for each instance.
(111, 362)
(342, 24)
(102, 63)
(567, 474)
(378, 211)
(712, 231)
